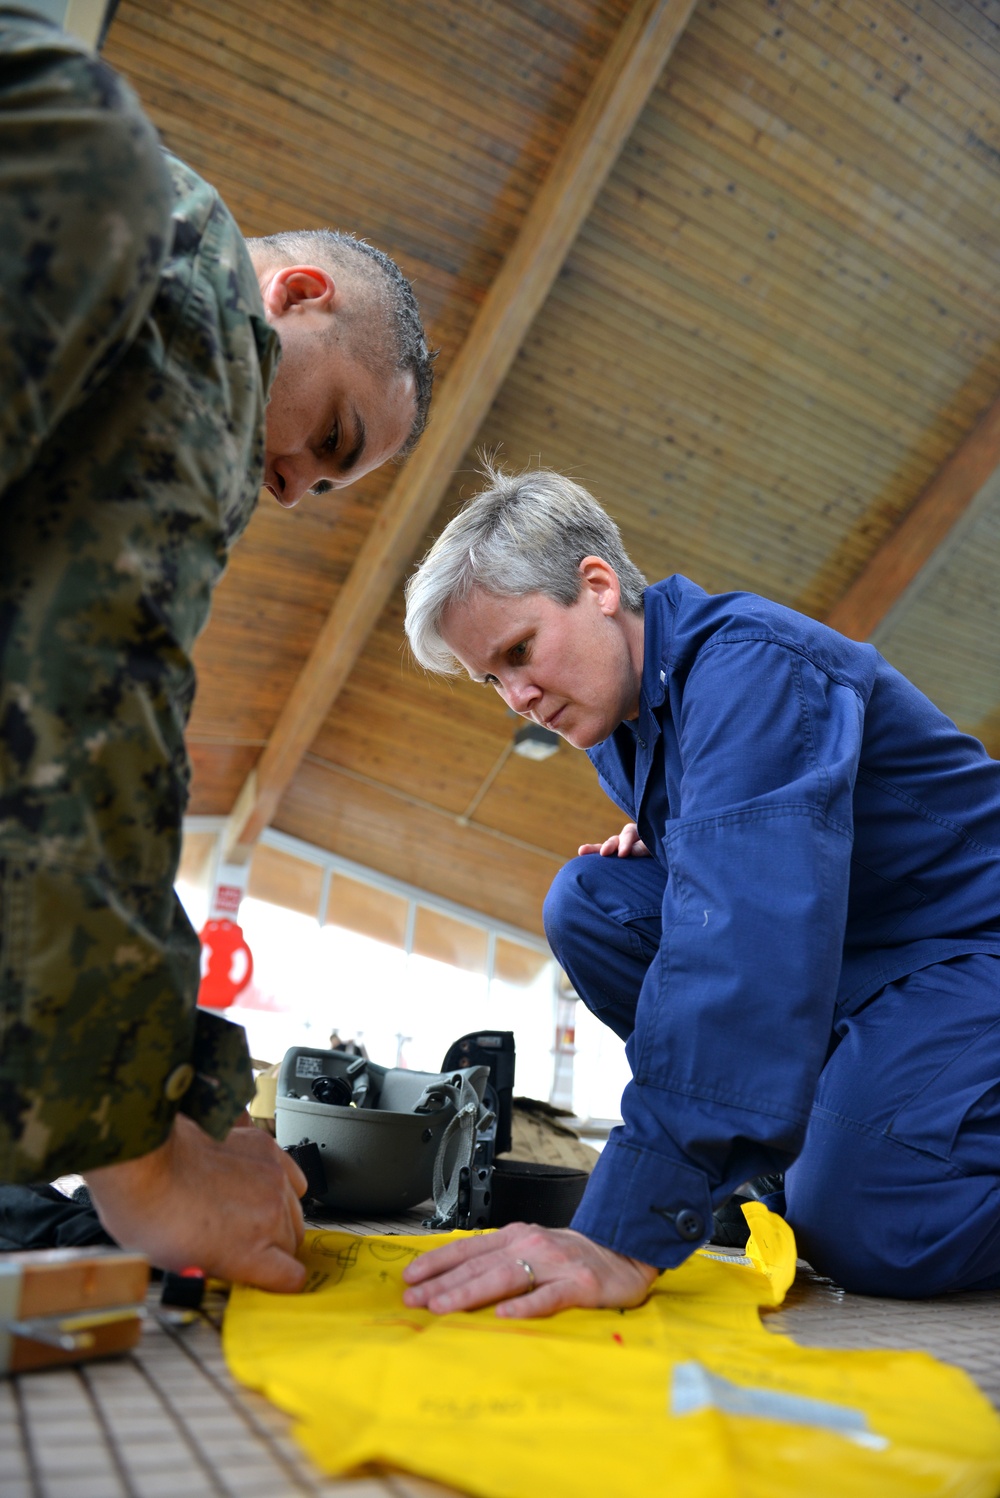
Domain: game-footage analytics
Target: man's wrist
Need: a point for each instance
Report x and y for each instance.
(138, 1174)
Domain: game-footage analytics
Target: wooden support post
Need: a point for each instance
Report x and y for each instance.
(593, 144)
(899, 559)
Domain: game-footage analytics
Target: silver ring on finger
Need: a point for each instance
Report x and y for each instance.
(523, 1264)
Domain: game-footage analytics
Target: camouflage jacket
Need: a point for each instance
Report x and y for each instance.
(134, 379)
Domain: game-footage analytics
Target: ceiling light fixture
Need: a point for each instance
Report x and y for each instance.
(535, 742)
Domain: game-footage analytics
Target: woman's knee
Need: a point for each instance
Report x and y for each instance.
(884, 1221)
(590, 917)
(863, 1267)
(566, 905)
(592, 895)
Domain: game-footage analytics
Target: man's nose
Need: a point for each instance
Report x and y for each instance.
(281, 476)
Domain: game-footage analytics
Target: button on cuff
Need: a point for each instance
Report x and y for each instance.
(646, 1205)
(689, 1223)
(178, 1082)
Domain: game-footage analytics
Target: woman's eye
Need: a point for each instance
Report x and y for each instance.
(519, 651)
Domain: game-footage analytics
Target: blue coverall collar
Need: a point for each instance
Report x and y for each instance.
(647, 728)
(658, 623)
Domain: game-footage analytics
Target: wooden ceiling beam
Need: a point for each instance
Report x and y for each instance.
(897, 562)
(593, 144)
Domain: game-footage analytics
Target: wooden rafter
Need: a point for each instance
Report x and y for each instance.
(592, 146)
(924, 528)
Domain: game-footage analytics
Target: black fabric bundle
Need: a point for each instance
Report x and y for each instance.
(42, 1217)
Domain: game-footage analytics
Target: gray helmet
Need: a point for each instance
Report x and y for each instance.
(387, 1139)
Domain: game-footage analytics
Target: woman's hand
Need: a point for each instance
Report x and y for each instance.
(624, 844)
(525, 1271)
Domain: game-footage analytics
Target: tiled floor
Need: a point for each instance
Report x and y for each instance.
(959, 1329)
(164, 1422)
(168, 1421)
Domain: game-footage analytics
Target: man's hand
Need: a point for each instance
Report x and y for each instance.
(525, 1271)
(232, 1208)
(624, 844)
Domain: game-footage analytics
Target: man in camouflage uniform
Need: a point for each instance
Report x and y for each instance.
(140, 340)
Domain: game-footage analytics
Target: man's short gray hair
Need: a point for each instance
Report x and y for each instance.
(395, 334)
(524, 533)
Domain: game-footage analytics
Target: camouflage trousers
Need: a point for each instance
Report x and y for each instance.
(112, 535)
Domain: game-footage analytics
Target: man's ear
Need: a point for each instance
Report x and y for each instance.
(300, 287)
(600, 578)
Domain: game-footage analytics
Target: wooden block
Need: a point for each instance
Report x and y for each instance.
(109, 1339)
(73, 1283)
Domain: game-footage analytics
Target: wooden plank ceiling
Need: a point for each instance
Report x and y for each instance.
(779, 321)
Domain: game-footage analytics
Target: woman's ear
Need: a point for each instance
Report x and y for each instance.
(600, 578)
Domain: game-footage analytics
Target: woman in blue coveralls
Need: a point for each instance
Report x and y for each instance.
(797, 933)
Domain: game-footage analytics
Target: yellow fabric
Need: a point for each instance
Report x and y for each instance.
(685, 1394)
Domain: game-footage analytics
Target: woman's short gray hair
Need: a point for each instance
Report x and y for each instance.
(524, 533)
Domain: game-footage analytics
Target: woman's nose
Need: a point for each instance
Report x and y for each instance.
(521, 695)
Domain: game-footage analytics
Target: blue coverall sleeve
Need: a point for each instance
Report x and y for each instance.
(735, 1014)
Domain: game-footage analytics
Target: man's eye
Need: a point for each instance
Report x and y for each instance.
(323, 487)
(490, 681)
(333, 440)
(519, 651)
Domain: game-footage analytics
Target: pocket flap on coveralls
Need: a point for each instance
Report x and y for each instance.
(966, 1091)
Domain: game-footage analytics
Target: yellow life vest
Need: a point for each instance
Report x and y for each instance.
(686, 1394)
